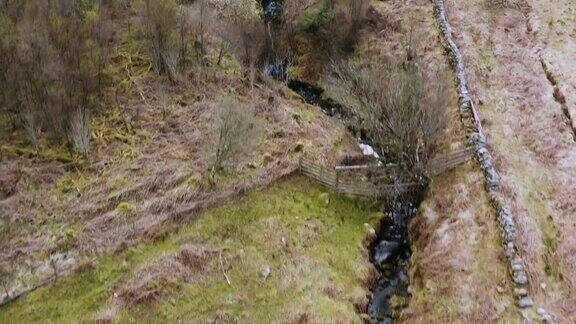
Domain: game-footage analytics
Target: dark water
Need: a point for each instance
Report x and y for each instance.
(272, 10)
(391, 256)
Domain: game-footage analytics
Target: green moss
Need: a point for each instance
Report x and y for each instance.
(310, 239)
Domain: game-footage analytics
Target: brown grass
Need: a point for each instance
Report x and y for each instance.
(159, 176)
(168, 274)
(533, 144)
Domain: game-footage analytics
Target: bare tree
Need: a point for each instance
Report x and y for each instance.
(248, 41)
(334, 26)
(160, 21)
(234, 131)
(201, 31)
(401, 108)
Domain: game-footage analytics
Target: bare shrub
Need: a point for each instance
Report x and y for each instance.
(79, 131)
(334, 28)
(248, 38)
(234, 131)
(160, 21)
(401, 108)
(5, 277)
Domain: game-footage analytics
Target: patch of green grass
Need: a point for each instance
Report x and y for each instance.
(310, 238)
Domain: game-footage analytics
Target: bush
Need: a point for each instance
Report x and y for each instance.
(334, 28)
(5, 277)
(234, 131)
(161, 23)
(401, 109)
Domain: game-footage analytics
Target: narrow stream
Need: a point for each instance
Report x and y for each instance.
(390, 252)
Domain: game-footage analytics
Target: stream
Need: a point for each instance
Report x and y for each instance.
(390, 252)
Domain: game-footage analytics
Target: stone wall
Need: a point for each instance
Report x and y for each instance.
(477, 138)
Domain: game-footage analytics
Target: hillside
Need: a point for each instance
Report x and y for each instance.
(153, 171)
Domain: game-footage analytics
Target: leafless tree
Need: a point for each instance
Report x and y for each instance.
(53, 57)
(248, 41)
(160, 21)
(400, 107)
(234, 130)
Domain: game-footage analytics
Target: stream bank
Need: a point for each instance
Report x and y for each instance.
(390, 252)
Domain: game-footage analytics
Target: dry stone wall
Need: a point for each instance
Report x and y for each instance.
(476, 135)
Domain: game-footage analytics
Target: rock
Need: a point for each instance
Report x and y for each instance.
(517, 267)
(541, 311)
(520, 279)
(543, 285)
(546, 318)
(510, 245)
(521, 292)
(499, 289)
(371, 232)
(385, 250)
(525, 302)
(266, 272)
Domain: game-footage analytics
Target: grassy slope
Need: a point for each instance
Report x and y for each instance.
(458, 271)
(317, 274)
(149, 161)
(457, 254)
(532, 143)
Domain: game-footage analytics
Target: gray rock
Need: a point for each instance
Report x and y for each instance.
(547, 318)
(541, 311)
(266, 272)
(521, 292)
(385, 250)
(525, 302)
(517, 267)
(520, 278)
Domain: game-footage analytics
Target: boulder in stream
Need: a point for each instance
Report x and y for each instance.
(385, 250)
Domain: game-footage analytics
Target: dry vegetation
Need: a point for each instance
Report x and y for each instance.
(166, 104)
(152, 142)
(532, 140)
(211, 268)
(402, 109)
